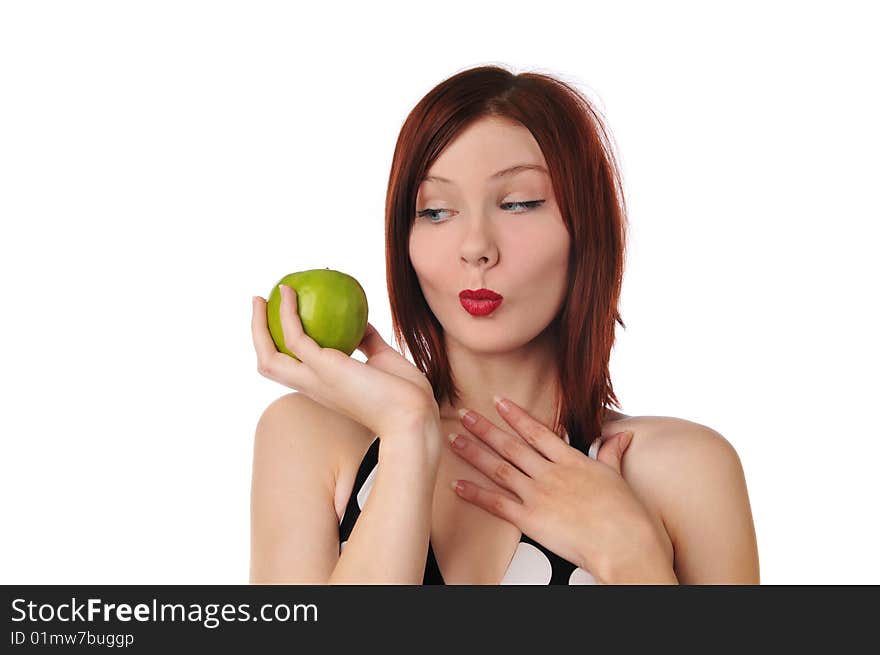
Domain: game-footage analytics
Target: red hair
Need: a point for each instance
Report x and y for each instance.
(589, 193)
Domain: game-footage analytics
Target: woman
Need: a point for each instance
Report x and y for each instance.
(505, 190)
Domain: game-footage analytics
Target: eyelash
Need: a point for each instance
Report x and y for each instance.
(529, 204)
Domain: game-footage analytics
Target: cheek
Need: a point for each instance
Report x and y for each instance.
(542, 267)
(539, 249)
(419, 250)
(429, 262)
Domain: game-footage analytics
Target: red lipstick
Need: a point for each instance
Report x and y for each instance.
(480, 302)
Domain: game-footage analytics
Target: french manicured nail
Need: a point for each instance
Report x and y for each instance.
(455, 440)
(467, 417)
(502, 404)
(456, 486)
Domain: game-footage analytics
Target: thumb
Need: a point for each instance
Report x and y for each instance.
(372, 342)
(611, 452)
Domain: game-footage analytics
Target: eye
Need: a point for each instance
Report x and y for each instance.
(431, 213)
(528, 204)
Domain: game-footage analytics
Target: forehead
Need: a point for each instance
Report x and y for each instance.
(488, 151)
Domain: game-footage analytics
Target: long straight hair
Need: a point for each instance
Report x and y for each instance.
(589, 192)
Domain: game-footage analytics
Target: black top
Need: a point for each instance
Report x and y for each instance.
(532, 563)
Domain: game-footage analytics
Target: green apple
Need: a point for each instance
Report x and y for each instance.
(332, 308)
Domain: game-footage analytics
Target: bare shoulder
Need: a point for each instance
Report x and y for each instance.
(298, 448)
(666, 449)
(692, 477)
(664, 432)
(333, 439)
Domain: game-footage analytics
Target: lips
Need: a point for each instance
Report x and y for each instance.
(481, 302)
(481, 294)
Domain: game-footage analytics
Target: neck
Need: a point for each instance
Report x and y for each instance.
(528, 376)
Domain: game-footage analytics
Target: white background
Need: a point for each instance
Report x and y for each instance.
(162, 162)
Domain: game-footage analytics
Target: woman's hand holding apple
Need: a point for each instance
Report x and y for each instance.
(387, 394)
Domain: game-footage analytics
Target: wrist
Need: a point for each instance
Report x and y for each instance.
(647, 567)
(419, 438)
(643, 560)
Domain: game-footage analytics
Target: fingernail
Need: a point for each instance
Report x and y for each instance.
(467, 417)
(502, 404)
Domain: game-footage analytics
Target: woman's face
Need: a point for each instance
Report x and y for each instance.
(477, 238)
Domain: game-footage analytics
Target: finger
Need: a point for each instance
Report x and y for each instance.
(533, 432)
(612, 449)
(295, 338)
(509, 446)
(493, 502)
(273, 364)
(267, 354)
(499, 470)
(372, 343)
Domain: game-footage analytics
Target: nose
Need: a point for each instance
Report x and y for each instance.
(478, 246)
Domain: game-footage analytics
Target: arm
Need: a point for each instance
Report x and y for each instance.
(389, 542)
(697, 478)
(710, 516)
(294, 526)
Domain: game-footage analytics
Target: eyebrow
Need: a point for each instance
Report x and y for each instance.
(512, 170)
